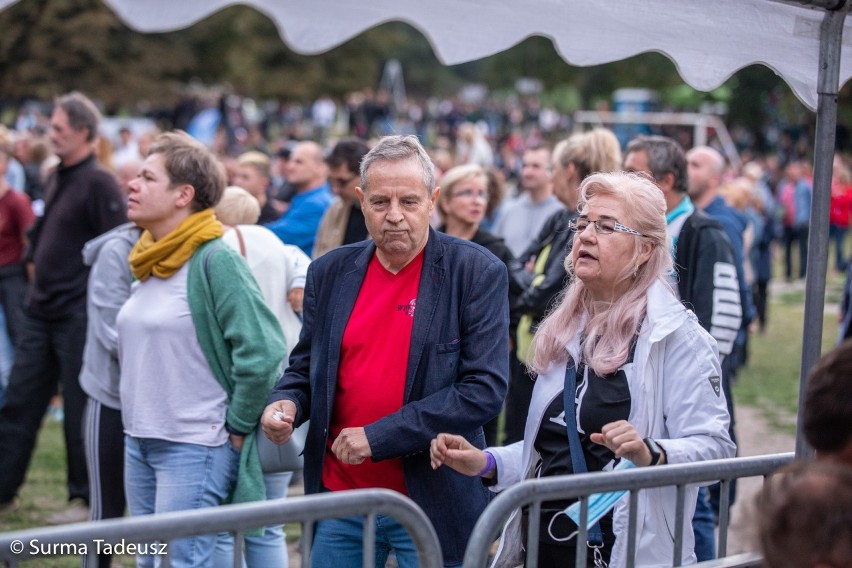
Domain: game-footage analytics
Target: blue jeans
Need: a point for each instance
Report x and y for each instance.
(338, 543)
(268, 549)
(837, 234)
(703, 527)
(162, 476)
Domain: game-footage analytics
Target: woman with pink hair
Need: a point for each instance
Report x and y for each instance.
(642, 377)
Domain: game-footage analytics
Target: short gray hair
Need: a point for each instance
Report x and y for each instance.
(665, 156)
(82, 113)
(398, 149)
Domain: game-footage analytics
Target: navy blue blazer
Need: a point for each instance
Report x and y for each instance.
(457, 372)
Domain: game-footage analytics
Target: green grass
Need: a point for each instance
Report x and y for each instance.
(44, 493)
(770, 381)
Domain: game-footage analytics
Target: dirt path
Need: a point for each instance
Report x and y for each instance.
(756, 438)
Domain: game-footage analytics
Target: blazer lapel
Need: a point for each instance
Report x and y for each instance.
(341, 309)
(431, 282)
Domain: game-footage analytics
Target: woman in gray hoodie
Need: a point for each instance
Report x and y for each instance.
(103, 433)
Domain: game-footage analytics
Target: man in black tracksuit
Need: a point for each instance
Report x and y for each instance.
(706, 276)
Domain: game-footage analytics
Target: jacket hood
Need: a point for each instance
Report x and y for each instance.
(664, 314)
(128, 231)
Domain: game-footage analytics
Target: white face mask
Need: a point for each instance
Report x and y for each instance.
(599, 503)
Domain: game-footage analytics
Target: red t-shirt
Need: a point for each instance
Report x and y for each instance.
(16, 216)
(373, 366)
(841, 204)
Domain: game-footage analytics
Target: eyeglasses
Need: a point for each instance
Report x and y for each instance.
(603, 226)
(341, 182)
(471, 194)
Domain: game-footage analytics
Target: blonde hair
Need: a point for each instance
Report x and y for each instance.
(610, 332)
(104, 151)
(237, 207)
(738, 192)
(597, 150)
(257, 160)
(841, 170)
(453, 177)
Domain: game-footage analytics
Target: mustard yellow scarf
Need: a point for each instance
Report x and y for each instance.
(165, 257)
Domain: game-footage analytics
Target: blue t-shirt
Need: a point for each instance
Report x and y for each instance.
(298, 226)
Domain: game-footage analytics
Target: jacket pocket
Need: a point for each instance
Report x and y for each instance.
(451, 347)
(444, 360)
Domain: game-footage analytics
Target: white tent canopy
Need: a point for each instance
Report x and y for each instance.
(708, 40)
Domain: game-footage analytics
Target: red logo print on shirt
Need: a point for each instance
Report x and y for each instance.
(407, 308)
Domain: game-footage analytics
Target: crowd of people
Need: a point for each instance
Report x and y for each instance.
(184, 300)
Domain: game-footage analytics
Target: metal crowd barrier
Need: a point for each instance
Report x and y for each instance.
(534, 492)
(72, 540)
(746, 560)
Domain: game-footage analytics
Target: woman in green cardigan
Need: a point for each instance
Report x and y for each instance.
(199, 349)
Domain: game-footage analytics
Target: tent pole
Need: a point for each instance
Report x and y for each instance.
(831, 35)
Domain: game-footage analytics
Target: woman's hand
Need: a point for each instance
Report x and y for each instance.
(296, 297)
(236, 441)
(459, 454)
(625, 442)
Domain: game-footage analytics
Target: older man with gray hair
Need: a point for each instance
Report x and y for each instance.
(404, 337)
(83, 200)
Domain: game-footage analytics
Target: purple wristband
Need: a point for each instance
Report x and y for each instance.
(490, 464)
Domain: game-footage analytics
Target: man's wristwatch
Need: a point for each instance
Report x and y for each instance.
(657, 452)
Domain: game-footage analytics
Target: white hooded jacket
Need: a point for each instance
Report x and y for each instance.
(676, 399)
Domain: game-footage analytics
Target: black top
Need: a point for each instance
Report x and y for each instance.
(268, 214)
(356, 228)
(600, 400)
(81, 202)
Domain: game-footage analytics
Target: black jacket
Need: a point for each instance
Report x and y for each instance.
(707, 278)
(537, 300)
